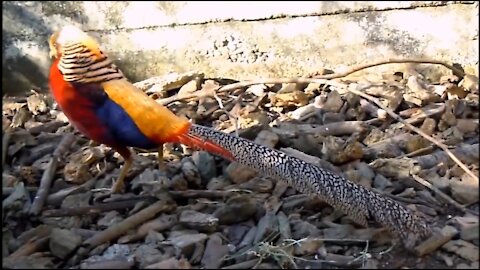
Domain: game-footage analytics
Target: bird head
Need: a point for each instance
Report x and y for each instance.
(71, 35)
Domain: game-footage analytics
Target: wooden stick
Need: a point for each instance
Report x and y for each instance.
(115, 231)
(49, 173)
(458, 72)
(30, 247)
(94, 209)
(426, 112)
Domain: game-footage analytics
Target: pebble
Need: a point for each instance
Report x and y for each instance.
(239, 173)
(237, 209)
(198, 221)
(185, 243)
(205, 164)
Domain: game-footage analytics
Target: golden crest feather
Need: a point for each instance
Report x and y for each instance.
(68, 35)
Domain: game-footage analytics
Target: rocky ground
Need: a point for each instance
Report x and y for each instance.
(201, 211)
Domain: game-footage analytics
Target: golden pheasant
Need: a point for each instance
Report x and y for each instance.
(102, 104)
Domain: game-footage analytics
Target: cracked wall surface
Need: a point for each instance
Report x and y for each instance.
(239, 40)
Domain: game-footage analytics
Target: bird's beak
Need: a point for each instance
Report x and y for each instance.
(51, 44)
(52, 53)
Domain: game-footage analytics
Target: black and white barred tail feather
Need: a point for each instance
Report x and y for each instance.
(354, 200)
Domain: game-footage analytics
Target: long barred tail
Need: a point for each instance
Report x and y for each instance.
(354, 200)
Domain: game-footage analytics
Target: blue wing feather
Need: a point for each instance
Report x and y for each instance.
(120, 125)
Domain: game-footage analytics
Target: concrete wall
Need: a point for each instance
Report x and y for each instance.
(239, 40)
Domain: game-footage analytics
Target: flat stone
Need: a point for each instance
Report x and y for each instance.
(214, 252)
(237, 209)
(463, 249)
(199, 221)
(184, 243)
(171, 263)
(469, 227)
(435, 241)
(267, 138)
(334, 102)
(148, 254)
(465, 190)
(63, 242)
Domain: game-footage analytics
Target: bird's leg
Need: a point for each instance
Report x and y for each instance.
(118, 185)
(161, 163)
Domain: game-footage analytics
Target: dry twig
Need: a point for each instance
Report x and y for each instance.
(415, 129)
(119, 229)
(209, 194)
(49, 173)
(5, 140)
(426, 112)
(443, 195)
(94, 209)
(57, 197)
(468, 153)
(332, 129)
(31, 246)
(321, 79)
(455, 70)
(231, 116)
(9, 190)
